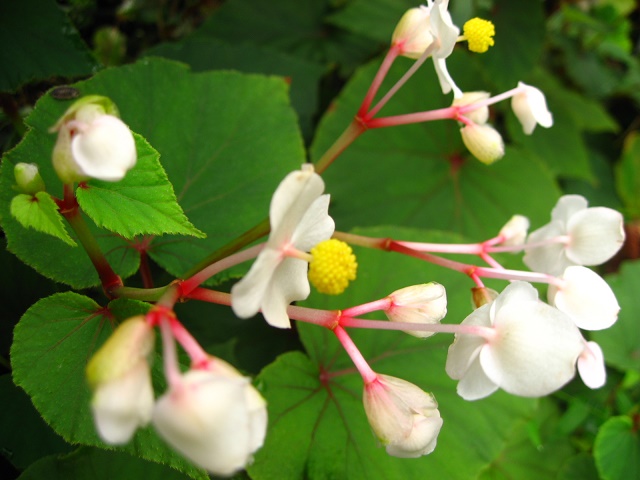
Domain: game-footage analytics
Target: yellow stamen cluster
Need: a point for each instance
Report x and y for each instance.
(478, 33)
(333, 267)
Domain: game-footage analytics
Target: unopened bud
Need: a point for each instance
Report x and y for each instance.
(420, 304)
(28, 178)
(413, 32)
(515, 230)
(482, 295)
(479, 115)
(483, 141)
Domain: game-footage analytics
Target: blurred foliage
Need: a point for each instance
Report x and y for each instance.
(584, 54)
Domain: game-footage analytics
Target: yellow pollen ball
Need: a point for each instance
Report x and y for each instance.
(333, 267)
(478, 33)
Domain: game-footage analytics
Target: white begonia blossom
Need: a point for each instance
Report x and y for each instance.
(404, 418)
(576, 235)
(483, 141)
(120, 378)
(531, 350)
(93, 144)
(210, 419)
(591, 366)
(586, 298)
(426, 303)
(429, 26)
(300, 220)
(531, 109)
(515, 231)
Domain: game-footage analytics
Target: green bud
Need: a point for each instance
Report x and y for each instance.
(91, 103)
(28, 178)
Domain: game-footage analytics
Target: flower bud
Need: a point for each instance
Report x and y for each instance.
(404, 418)
(483, 141)
(480, 115)
(413, 32)
(515, 230)
(482, 295)
(426, 303)
(531, 109)
(28, 178)
(93, 143)
(214, 417)
(119, 376)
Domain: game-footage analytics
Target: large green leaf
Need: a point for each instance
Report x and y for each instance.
(205, 53)
(207, 123)
(617, 449)
(143, 203)
(421, 175)
(317, 426)
(628, 175)
(39, 42)
(52, 344)
(98, 465)
(621, 342)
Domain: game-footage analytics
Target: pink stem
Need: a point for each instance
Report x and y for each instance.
(449, 113)
(382, 304)
(196, 353)
(169, 355)
(484, 332)
(389, 58)
(368, 375)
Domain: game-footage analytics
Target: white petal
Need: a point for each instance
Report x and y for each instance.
(568, 206)
(591, 366)
(596, 235)
(289, 203)
(586, 298)
(105, 150)
(535, 351)
(315, 226)
(465, 348)
(443, 29)
(514, 293)
(530, 107)
(247, 295)
(549, 258)
(446, 81)
(475, 384)
(289, 283)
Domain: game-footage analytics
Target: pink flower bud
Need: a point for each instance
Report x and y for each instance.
(426, 303)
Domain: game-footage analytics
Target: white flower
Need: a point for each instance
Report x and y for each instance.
(429, 26)
(529, 348)
(404, 418)
(299, 220)
(531, 109)
(515, 231)
(426, 303)
(93, 144)
(209, 418)
(586, 298)
(576, 235)
(120, 378)
(413, 32)
(591, 366)
(483, 141)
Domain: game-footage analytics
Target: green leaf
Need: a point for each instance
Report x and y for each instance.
(98, 465)
(52, 343)
(205, 53)
(317, 425)
(25, 437)
(581, 466)
(628, 175)
(143, 203)
(41, 213)
(421, 175)
(617, 449)
(621, 342)
(43, 43)
(297, 27)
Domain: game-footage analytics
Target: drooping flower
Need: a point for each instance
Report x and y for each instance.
(211, 420)
(576, 235)
(530, 107)
(426, 303)
(299, 221)
(586, 298)
(483, 141)
(119, 376)
(404, 418)
(93, 143)
(522, 345)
